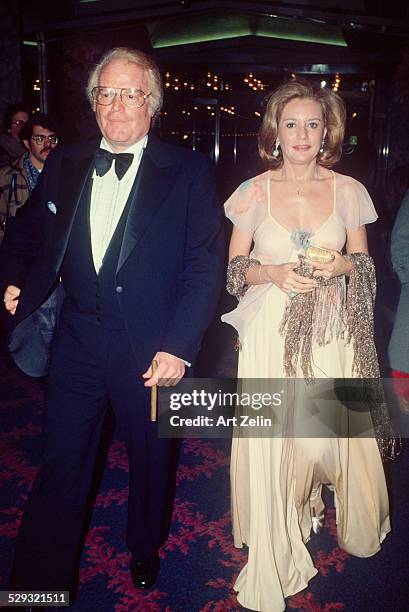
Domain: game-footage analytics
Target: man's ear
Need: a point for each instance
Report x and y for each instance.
(26, 143)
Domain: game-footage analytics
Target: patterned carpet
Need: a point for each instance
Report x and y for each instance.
(199, 562)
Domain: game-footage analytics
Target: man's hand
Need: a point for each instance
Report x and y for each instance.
(168, 373)
(10, 298)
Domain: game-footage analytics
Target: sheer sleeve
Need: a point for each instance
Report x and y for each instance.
(354, 203)
(247, 206)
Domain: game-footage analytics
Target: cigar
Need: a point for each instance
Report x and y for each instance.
(154, 395)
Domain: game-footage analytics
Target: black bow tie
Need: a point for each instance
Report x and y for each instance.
(104, 159)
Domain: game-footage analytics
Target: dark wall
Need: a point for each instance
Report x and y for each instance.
(11, 82)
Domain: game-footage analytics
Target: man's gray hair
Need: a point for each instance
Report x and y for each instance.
(137, 57)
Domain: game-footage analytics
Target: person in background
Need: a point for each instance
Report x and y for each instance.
(399, 343)
(39, 136)
(14, 117)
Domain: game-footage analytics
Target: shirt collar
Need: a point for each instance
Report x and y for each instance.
(31, 172)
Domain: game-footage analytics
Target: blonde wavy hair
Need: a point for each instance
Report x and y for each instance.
(333, 112)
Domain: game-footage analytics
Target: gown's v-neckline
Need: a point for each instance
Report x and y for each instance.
(320, 227)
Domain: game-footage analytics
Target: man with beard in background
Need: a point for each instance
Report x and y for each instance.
(19, 177)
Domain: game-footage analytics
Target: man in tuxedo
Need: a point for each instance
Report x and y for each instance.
(130, 229)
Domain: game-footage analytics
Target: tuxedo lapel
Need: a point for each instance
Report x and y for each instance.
(79, 177)
(152, 184)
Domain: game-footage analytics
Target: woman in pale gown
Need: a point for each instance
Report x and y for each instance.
(276, 482)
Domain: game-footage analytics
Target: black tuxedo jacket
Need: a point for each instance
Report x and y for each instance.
(171, 260)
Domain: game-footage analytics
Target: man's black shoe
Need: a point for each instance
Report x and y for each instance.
(144, 573)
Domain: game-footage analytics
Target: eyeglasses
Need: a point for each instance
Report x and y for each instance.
(134, 98)
(18, 122)
(40, 139)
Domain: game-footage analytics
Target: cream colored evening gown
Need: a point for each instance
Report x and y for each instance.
(276, 482)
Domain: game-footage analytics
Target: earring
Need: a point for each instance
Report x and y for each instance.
(276, 152)
(322, 146)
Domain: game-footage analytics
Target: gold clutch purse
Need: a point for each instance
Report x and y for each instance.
(319, 254)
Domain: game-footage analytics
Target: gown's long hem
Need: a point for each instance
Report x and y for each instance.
(386, 529)
(256, 600)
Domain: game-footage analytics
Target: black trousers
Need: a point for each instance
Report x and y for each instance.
(90, 368)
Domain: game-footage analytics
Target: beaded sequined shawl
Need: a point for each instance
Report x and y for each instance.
(321, 316)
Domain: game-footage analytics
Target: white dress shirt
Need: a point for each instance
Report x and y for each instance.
(108, 199)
